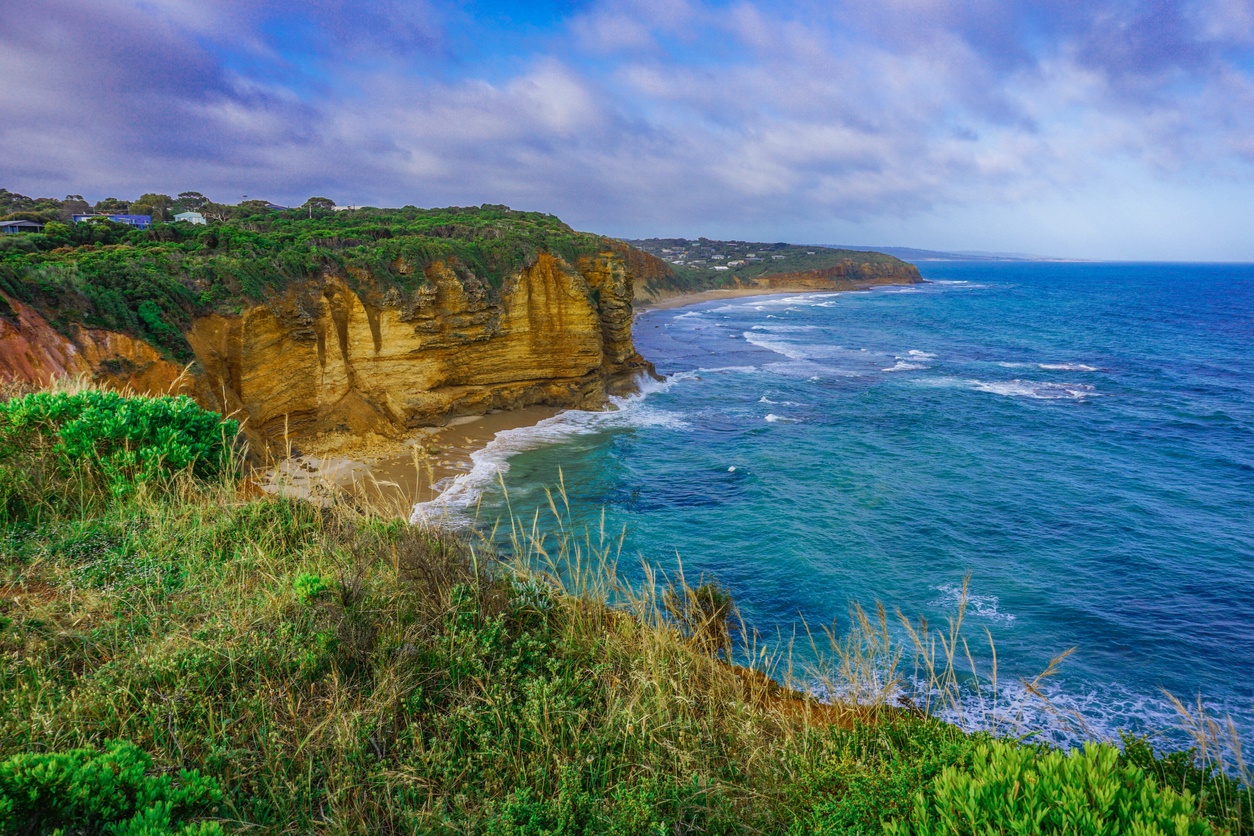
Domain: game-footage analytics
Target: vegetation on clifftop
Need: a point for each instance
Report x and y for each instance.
(151, 283)
(187, 657)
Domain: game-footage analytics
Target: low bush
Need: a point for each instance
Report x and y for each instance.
(59, 449)
(111, 792)
(1015, 789)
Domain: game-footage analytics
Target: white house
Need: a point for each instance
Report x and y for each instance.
(190, 217)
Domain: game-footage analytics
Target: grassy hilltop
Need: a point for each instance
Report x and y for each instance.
(181, 654)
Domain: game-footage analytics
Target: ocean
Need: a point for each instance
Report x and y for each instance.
(1077, 439)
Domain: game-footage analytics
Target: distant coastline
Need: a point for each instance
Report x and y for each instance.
(682, 300)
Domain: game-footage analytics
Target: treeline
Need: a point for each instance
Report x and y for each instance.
(153, 282)
(162, 207)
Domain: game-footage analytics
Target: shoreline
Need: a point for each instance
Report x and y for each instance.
(683, 300)
(394, 475)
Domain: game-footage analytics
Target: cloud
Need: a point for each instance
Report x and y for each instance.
(633, 114)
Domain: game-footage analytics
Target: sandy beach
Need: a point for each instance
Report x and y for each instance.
(394, 474)
(685, 299)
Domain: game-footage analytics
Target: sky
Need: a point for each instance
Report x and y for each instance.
(1074, 128)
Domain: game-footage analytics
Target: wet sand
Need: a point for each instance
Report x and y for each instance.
(393, 475)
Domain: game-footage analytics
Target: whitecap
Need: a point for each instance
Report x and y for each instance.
(903, 366)
(772, 418)
(984, 606)
(922, 355)
(716, 370)
(784, 329)
(1067, 367)
(1032, 389)
(789, 350)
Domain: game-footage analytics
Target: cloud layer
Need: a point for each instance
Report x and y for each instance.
(1097, 128)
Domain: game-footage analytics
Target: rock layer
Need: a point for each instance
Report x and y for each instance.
(325, 358)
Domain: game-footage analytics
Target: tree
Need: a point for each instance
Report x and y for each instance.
(215, 211)
(74, 205)
(112, 206)
(319, 203)
(14, 202)
(254, 207)
(157, 205)
(190, 202)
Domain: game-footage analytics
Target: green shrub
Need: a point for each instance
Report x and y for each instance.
(58, 446)
(1013, 789)
(111, 792)
(310, 588)
(1222, 799)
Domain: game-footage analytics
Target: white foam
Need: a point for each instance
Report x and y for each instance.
(772, 418)
(785, 329)
(680, 376)
(985, 606)
(922, 355)
(461, 492)
(903, 366)
(1032, 389)
(789, 350)
(688, 315)
(1067, 367)
(1045, 391)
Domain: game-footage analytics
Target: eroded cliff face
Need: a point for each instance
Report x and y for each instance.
(32, 351)
(325, 359)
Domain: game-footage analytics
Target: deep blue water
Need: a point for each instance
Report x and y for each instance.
(1078, 438)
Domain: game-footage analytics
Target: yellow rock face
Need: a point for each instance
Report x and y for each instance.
(32, 351)
(325, 359)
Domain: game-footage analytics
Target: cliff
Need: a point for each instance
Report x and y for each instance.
(375, 320)
(326, 358)
(365, 321)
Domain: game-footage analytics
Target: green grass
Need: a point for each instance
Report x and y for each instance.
(330, 670)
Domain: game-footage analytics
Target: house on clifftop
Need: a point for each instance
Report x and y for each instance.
(11, 227)
(137, 221)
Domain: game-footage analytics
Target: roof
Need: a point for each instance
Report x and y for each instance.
(21, 222)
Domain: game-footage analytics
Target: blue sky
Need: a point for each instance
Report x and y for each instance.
(1098, 129)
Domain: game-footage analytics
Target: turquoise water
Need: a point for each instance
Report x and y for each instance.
(1077, 438)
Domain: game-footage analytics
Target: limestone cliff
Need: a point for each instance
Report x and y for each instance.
(324, 357)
